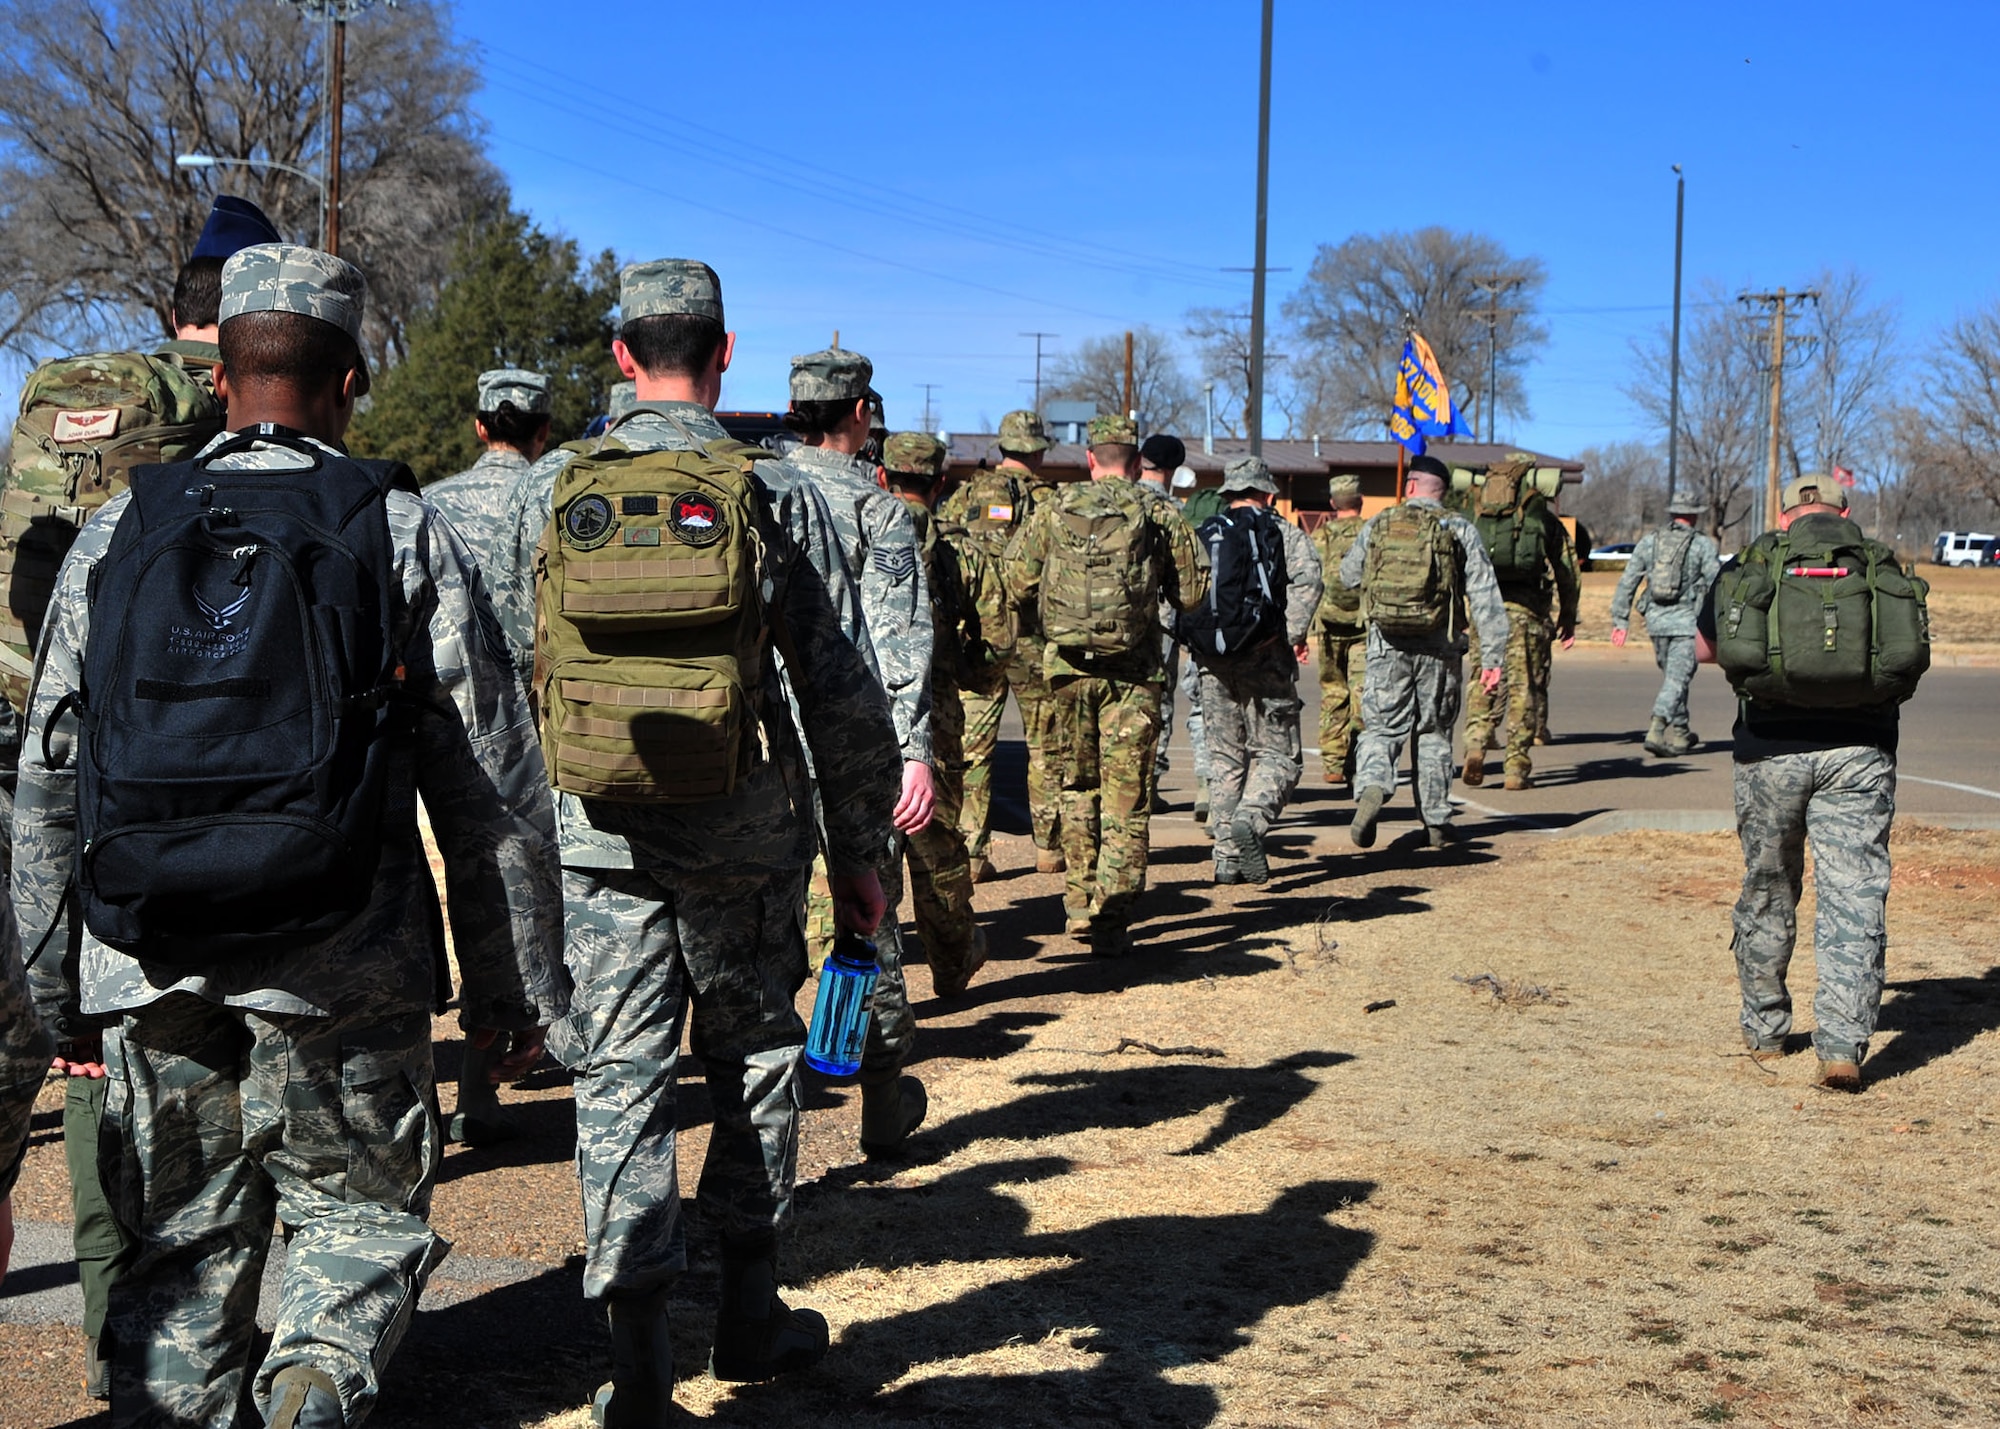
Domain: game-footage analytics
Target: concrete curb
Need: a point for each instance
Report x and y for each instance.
(1723, 821)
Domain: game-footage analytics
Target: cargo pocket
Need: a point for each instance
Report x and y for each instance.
(385, 1102)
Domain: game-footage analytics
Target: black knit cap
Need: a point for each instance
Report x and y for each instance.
(1162, 452)
(1430, 466)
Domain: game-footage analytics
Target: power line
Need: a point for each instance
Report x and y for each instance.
(930, 422)
(1038, 336)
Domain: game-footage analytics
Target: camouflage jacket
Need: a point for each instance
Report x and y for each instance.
(1182, 570)
(891, 624)
(1304, 583)
(472, 757)
(1703, 565)
(476, 499)
(1481, 592)
(25, 1050)
(766, 825)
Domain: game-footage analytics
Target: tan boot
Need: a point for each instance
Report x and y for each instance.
(1050, 860)
(1519, 777)
(981, 869)
(1838, 1075)
(1475, 766)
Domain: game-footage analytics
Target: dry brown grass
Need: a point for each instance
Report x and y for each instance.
(1964, 606)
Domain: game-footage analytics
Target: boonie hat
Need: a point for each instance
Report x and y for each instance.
(1249, 473)
(1022, 432)
(1114, 431)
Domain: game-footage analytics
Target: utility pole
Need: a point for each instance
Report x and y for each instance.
(1779, 303)
(1495, 285)
(336, 13)
(1038, 336)
(930, 422)
(1256, 402)
(1130, 410)
(1674, 381)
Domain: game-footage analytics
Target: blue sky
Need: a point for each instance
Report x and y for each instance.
(936, 179)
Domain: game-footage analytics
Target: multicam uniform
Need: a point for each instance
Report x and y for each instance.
(1414, 681)
(240, 1094)
(672, 904)
(1672, 626)
(1343, 653)
(1105, 720)
(1531, 607)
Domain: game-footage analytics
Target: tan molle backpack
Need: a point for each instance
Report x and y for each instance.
(85, 423)
(650, 623)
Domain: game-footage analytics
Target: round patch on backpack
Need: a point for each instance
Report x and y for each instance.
(587, 521)
(697, 519)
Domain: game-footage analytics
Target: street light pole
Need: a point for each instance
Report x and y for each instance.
(1674, 380)
(1256, 404)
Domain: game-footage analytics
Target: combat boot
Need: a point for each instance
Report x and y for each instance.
(1201, 802)
(1367, 809)
(1441, 835)
(1109, 940)
(1681, 740)
(1519, 776)
(890, 1111)
(1050, 860)
(304, 1398)
(757, 1335)
(1226, 871)
(1838, 1074)
(981, 869)
(1250, 852)
(1656, 738)
(640, 1393)
(954, 984)
(1475, 765)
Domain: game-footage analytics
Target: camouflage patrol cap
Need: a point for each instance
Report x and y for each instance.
(1249, 473)
(1023, 432)
(624, 397)
(1813, 487)
(288, 278)
(914, 454)
(833, 374)
(1344, 488)
(668, 287)
(1114, 431)
(528, 391)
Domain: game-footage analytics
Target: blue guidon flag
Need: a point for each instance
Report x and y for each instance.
(1423, 403)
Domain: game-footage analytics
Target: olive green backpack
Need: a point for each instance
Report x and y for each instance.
(1409, 578)
(1508, 518)
(1339, 604)
(1822, 626)
(85, 423)
(650, 622)
(1100, 590)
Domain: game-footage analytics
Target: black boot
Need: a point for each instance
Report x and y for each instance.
(640, 1394)
(758, 1336)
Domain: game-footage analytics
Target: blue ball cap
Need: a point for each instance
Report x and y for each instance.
(233, 224)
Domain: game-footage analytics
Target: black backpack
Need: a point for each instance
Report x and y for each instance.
(236, 707)
(1246, 585)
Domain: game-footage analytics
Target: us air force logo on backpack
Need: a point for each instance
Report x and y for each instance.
(587, 522)
(220, 617)
(216, 636)
(697, 519)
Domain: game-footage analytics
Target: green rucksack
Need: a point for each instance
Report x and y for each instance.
(1100, 589)
(1822, 626)
(85, 423)
(650, 623)
(1409, 578)
(1203, 504)
(1339, 604)
(1509, 522)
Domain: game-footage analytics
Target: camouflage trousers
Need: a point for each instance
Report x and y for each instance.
(1022, 673)
(940, 869)
(647, 951)
(1412, 694)
(1675, 655)
(1523, 695)
(1252, 715)
(1197, 735)
(1343, 667)
(1105, 730)
(1841, 801)
(1170, 656)
(218, 1122)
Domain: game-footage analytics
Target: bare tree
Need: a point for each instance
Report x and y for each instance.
(1347, 319)
(97, 98)
(1624, 490)
(1836, 406)
(1095, 372)
(1221, 339)
(1722, 386)
(1958, 432)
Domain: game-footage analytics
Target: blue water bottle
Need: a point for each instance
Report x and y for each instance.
(840, 1011)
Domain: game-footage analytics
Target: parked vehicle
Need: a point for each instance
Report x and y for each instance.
(1615, 554)
(1963, 548)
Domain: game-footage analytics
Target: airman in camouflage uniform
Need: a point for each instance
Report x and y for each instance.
(676, 905)
(1413, 681)
(1824, 777)
(1670, 623)
(1343, 636)
(1532, 604)
(874, 541)
(296, 1085)
(1107, 707)
(1022, 442)
(1250, 702)
(940, 879)
(512, 423)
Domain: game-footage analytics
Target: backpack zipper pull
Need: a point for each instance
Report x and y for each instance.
(243, 555)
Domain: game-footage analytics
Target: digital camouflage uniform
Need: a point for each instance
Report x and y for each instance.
(1343, 644)
(25, 1050)
(473, 499)
(1538, 611)
(1824, 777)
(1106, 717)
(1250, 704)
(672, 906)
(1414, 681)
(1672, 626)
(984, 688)
(297, 1085)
